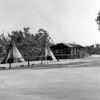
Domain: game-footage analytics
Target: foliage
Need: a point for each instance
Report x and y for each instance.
(29, 45)
(93, 49)
(98, 20)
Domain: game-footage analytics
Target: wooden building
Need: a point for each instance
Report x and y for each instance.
(68, 51)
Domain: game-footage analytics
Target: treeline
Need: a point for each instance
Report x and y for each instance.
(29, 44)
(93, 49)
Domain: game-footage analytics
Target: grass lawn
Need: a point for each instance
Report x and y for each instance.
(76, 81)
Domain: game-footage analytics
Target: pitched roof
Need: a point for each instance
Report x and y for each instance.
(72, 45)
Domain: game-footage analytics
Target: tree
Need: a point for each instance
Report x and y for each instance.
(98, 20)
(28, 37)
(42, 37)
(16, 36)
(29, 45)
(22, 37)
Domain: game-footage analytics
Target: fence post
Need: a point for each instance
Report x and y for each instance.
(10, 65)
(28, 62)
(41, 60)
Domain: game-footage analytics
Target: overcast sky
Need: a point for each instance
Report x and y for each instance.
(66, 20)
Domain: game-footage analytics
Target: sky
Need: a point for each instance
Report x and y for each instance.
(68, 21)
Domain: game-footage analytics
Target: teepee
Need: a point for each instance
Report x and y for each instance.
(13, 55)
(48, 52)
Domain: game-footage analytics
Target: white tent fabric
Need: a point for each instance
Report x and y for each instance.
(14, 54)
(48, 52)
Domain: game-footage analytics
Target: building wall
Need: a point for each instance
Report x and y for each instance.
(65, 52)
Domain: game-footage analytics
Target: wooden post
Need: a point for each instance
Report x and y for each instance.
(58, 57)
(28, 62)
(10, 65)
(41, 60)
(62, 57)
(70, 54)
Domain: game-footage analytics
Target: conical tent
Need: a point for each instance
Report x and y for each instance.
(13, 55)
(48, 52)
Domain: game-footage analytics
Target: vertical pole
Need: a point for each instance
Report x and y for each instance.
(62, 57)
(72, 53)
(10, 65)
(45, 55)
(58, 57)
(41, 60)
(28, 62)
